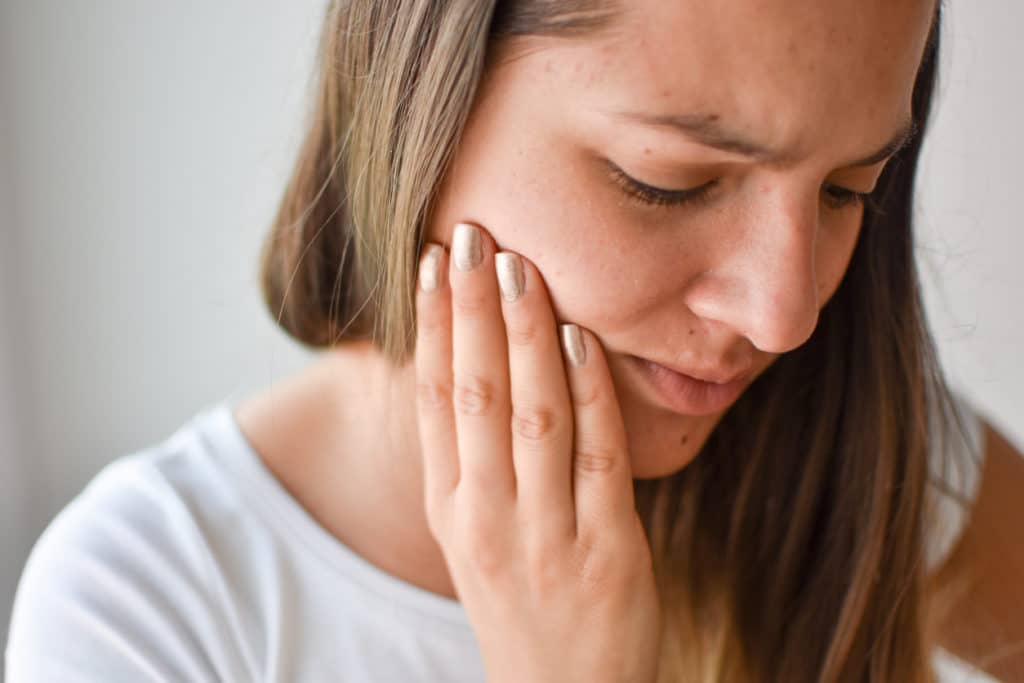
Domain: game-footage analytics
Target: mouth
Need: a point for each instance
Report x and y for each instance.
(688, 395)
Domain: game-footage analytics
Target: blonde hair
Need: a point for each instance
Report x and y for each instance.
(791, 547)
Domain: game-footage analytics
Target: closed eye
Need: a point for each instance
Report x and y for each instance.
(835, 197)
(840, 197)
(656, 196)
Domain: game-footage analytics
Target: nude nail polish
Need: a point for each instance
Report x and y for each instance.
(430, 267)
(466, 248)
(572, 343)
(510, 275)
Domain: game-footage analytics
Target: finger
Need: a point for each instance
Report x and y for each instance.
(541, 412)
(434, 379)
(479, 369)
(602, 473)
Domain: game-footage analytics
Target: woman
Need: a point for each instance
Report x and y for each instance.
(722, 476)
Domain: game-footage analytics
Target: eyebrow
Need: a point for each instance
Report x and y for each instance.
(706, 129)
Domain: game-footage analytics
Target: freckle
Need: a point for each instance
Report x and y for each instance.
(691, 331)
(684, 440)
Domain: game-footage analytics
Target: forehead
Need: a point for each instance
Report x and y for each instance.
(784, 70)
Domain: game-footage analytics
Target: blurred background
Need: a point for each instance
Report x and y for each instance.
(143, 147)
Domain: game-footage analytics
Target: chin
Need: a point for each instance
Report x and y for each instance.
(663, 452)
(661, 442)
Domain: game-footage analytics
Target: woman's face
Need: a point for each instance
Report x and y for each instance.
(723, 284)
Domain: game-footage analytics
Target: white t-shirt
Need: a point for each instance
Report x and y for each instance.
(188, 561)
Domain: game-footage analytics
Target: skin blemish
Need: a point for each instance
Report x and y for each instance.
(525, 170)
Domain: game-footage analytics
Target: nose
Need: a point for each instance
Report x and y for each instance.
(763, 283)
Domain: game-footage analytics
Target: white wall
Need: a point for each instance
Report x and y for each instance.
(146, 147)
(15, 476)
(972, 241)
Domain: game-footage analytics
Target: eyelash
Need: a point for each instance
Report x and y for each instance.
(839, 198)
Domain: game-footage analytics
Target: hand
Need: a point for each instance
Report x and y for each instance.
(528, 487)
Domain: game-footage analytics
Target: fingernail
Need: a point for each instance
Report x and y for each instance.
(572, 342)
(466, 249)
(510, 275)
(430, 267)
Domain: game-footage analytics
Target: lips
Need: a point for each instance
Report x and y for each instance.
(720, 375)
(685, 394)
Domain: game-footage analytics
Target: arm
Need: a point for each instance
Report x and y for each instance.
(985, 625)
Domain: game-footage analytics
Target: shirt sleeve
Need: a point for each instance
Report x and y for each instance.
(954, 464)
(113, 591)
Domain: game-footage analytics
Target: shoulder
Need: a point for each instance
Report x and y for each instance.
(957, 448)
(120, 585)
(983, 619)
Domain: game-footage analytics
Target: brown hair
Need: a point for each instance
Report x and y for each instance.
(791, 548)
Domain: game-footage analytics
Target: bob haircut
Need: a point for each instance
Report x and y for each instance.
(790, 549)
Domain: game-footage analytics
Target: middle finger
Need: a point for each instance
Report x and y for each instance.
(542, 421)
(480, 393)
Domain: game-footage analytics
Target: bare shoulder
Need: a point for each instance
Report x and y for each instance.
(985, 571)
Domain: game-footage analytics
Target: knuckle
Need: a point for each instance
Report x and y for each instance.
(593, 459)
(474, 395)
(487, 560)
(533, 424)
(609, 558)
(468, 303)
(522, 333)
(601, 573)
(587, 395)
(545, 568)
(481, 547)
(434, 394)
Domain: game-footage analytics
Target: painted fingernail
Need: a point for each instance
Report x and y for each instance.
(430, 267)
(466, 248)
(510, 275)
(572, 343)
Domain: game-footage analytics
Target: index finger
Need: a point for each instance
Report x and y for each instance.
(434, 378)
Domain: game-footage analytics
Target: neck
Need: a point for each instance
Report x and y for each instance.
(373, 457)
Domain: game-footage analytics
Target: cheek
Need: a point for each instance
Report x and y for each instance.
(588, 261)
(599, 270)
(545, 204)
(833, 252)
